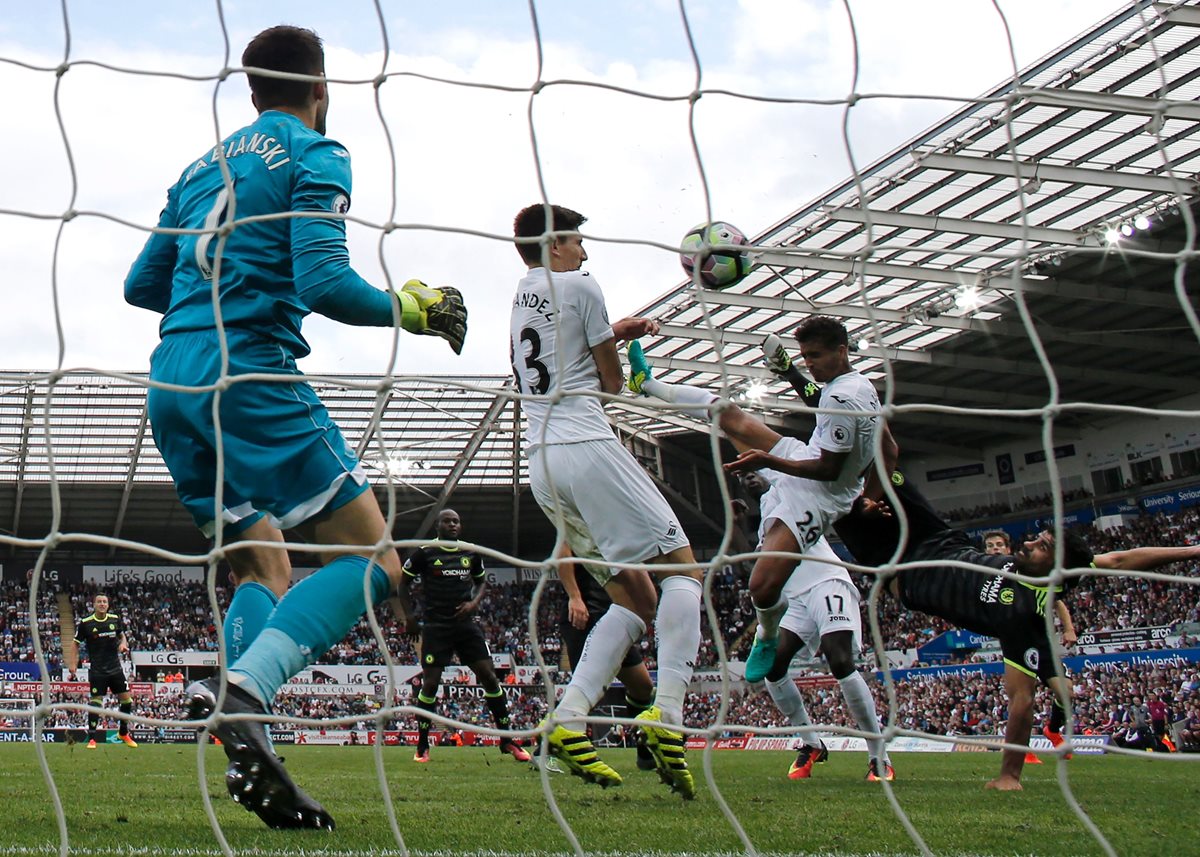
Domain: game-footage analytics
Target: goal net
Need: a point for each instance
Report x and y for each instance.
(1012, 268)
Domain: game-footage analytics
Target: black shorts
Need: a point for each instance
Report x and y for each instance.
(573, 638)
(101, 683)
(441, 641)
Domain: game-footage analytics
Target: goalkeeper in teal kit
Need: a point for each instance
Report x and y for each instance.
(221, 262)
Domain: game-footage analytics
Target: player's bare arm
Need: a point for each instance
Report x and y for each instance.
(827, 468)
(873, 484)
(1145, 559)
(634, 327)
(402, 603)
(468, 608)
(577, 612)
(608, 365)
(1069, 637)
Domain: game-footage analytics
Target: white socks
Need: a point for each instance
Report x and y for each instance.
(605, 648)
(862, 707)
(677, 629)
(694, 400)
(788, 700)
(769, 619)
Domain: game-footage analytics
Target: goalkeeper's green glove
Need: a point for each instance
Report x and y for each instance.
(433, 312)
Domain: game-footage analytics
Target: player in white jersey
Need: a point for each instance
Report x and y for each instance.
(822, 618)
(564, 355)
(830, 480)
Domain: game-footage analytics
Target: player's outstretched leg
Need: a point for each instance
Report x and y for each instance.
(639, 369)
(255, 777)
(688, 399)
(762, 656)
(667, 748)
(575, 750)
(776, 356)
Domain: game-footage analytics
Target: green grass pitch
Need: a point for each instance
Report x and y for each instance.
(475, 801)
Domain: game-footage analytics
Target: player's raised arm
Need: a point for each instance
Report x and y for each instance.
(776, 356)
(148, 284)
(633, 327)
(327, 283)
(1145, 558)
(608, 366)
(873, 484)
(827, 467)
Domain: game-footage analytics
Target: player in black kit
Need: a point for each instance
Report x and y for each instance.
(104, 635)
(1012, 611)
(452, 583)
(586, 603)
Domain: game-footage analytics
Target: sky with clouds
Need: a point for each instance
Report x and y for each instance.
(451, 162)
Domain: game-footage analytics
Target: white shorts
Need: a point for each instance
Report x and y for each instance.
(611, 508)
(831, 605)
(801, 504)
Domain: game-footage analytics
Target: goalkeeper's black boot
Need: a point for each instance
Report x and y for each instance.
(255, 778)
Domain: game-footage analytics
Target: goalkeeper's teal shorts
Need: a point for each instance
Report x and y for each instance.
(284, 458)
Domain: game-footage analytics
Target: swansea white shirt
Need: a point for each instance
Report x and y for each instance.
(848, 432)
(557, 318)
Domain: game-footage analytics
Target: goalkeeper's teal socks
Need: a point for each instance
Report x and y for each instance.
(248, 613)
(315, 614)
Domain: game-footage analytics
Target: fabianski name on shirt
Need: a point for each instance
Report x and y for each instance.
(263, 145)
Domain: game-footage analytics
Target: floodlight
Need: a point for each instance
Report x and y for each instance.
(967, 298)
(756, 390)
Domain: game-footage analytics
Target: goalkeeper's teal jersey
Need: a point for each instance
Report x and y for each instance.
(272, 272)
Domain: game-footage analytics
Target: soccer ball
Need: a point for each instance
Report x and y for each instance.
(718, 269)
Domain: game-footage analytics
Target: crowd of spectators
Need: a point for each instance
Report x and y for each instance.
(177, 617)
(1128, 702)
(1109, 699)
(16, 639)
(1028, 503)
(159, 616)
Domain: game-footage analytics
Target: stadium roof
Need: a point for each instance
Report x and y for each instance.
(1027, 202)
(1103, 131)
